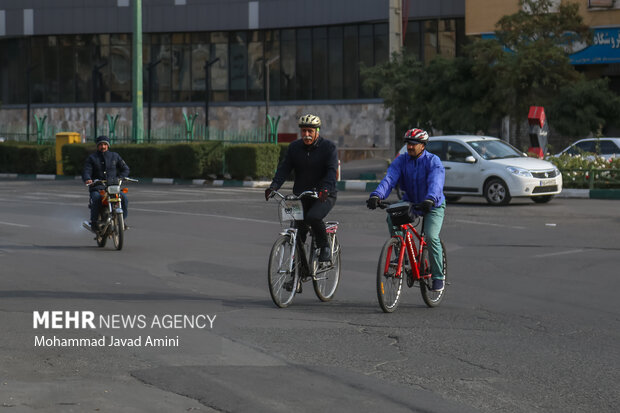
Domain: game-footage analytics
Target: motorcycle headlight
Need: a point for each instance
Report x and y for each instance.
(519, 171)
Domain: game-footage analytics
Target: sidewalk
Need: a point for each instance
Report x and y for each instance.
(345, 185)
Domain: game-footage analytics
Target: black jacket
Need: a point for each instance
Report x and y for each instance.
(315, 166)
(104, 165)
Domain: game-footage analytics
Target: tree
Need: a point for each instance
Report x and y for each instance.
(526, 65)
(583, 107)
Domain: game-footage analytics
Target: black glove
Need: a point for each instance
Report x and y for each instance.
(268, 193)
(426, 205)
(323, 194)
(372, 202)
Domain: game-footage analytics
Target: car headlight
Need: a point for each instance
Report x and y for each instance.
(519, 171)
(557, 172)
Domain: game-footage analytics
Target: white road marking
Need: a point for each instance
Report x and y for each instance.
(14, 224)
(464, 221)
(552, 254)
(204, 215)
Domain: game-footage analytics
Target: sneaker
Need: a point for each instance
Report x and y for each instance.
(437, 285)
(325, 255)
(126, 226)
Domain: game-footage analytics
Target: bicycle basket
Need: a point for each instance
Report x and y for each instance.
(290, 210)
(401, 213)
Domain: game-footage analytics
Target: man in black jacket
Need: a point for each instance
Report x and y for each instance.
(107, 165)
(315, 162)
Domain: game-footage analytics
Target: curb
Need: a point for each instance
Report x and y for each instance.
(348, 185)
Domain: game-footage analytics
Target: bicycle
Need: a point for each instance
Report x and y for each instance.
(394, 263)
(293, 261)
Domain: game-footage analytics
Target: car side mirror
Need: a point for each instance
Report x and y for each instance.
(470, 159)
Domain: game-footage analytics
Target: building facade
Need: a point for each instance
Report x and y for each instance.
(601, 59)
(62, 55)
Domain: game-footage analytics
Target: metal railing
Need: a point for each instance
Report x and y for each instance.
(591, 178)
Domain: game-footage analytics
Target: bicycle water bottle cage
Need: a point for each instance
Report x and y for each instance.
(401, 213)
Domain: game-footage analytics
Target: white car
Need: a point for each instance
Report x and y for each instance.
(606, 147)
(489, 167)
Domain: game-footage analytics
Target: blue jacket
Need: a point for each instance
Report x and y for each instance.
(421, 178)
(104, 165)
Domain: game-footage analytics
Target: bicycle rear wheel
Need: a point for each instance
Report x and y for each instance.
(430, 297)
(389, 286)
(326, 283)
(282, 276)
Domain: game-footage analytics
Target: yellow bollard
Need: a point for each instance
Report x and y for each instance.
(63, 138)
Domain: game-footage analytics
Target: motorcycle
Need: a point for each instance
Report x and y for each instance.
(110, 223)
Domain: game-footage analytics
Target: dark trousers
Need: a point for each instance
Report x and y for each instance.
(95, 204)
(314, 212)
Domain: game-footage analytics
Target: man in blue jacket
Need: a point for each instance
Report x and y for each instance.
(422, 176)
(315, 162)
(107, 165)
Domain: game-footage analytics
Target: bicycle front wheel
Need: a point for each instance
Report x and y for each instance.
(430, 297)
(325, 283)
(389, 286)
(283, 271)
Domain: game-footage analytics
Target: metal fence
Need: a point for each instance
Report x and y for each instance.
(169, 134)
(591, 178)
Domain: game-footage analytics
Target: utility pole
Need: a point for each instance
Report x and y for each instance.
(137, 112)
(395, 26)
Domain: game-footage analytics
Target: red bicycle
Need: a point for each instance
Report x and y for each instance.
(394, 264)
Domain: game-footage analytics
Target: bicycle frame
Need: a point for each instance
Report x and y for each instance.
(414, 255)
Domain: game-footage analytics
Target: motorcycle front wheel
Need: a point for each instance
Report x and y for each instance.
(118, 233)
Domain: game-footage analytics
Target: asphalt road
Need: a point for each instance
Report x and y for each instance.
(530, 322)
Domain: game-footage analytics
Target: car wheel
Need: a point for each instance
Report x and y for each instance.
(496, 192)
(543, 199)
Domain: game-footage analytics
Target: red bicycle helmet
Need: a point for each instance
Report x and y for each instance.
(416, 135)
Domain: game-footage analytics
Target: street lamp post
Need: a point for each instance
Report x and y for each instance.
(207, 92)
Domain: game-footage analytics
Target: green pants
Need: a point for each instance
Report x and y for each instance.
(432, 227)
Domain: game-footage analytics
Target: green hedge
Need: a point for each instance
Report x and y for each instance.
(27, 158)
(185, 161)
(253, 160)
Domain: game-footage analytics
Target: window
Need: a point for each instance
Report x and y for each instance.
(366, 52)
(238, 65)
(287, 59)
(456, 152)
(335, 61)
(351, 78)
(219, 70)
(438, 148)
(430, 40)
(256, 66)
(320, 69)
(413, 39)
(305, 64)
(272, 49)
(608, 147)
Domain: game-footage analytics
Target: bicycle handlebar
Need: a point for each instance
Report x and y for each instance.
(292, 197)
(104, 181)
(385, 204)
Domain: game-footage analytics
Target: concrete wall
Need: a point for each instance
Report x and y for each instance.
(360, 125)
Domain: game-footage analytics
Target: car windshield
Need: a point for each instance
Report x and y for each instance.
(495, 149)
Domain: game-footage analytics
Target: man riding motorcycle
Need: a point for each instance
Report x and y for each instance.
(103, 165)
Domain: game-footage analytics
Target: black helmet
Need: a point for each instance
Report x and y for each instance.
(102, 139)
